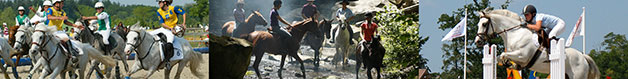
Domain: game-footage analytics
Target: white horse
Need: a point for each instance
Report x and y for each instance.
(521, 46)
(342, 40)
(23, 43)
(44, 41)
(5, 50)
(148, 54)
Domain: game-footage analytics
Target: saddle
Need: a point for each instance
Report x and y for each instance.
(106, 47)
(168, 48)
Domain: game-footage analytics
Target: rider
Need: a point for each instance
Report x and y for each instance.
(274, 21)
(103, 21)
(21, 18)
(168, 19)
(56, 17)
(309, 10)
(238, 13)
(540, 21)
(40, 13)
(369, 28)
(5, 29)
(348, 15)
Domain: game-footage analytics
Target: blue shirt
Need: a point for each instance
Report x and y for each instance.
(274, 21)
(549, 21)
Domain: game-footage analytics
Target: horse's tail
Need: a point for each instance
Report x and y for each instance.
(94, 53)
(195, 62)
(594, 72)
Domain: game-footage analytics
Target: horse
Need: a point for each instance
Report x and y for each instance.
(115, 48)
(264, 41)
(22, 45)
(316, 42)
(148, 54)
(342, 41)
(256, 18)
(45, 42)
(372, 56)
(5, 51)
(523, 47)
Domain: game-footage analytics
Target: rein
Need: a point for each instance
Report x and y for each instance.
(136, 51)
(537, 53)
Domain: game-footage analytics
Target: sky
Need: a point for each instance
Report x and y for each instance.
(602, 17)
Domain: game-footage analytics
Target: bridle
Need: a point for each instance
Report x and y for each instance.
(46, 39)
(485, 36)
(135, 46)
(23, 40)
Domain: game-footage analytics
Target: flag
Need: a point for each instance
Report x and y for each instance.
(458, 31)
(577, 30)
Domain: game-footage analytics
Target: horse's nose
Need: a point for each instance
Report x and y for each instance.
(477, 39)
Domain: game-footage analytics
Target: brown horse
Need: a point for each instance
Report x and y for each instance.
(256, 18)
(264, 41)
(315, 41)
(372, 55)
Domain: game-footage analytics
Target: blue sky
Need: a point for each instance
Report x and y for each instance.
(602, 17)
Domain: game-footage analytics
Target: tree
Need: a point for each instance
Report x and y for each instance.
(8, 16)
(454, 51)
(610, 59)
(401, 38)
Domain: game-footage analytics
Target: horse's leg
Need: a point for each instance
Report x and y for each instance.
(45, 72)
(316, 58)
(258, 58)
(134, 68)
(167, 72)
(296, 56)
(55, 72)
(368, 72)
(150, 72)
(123, 58)
(4, 70)
(62, 75)
(283, 58)
(94, 65)
(179, 69)
(358, 62)
(378, 71)
(35, 67)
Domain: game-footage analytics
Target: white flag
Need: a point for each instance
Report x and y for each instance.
(577, 30)
(458, 31)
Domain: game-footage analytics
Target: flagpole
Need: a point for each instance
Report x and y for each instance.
(584, 37)
(465, 45)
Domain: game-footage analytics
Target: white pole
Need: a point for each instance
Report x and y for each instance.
(465, 46)
(584, 37)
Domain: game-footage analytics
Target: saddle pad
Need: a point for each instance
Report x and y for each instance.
(178, 51)
(75, 46)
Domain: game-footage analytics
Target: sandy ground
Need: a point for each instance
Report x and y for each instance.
(186, 73)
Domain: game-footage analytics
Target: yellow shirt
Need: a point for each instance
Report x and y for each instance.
(53, 12)
(169, 16)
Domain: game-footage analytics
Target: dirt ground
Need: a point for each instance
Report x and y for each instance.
(186, 73)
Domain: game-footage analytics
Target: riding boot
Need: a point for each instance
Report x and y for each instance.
(350, 35)
(169, 52)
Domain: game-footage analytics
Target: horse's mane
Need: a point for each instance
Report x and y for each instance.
(301, 23)
(136, 28)
(506, 13)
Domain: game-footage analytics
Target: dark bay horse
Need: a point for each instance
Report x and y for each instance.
(229, 28)
(315, 41)
(372, 56)
(264, 41)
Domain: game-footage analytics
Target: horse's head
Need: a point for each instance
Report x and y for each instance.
(325, 26)
(495, 22)
(134, 38)
(41, 36)
(22, 38)
(257, 18)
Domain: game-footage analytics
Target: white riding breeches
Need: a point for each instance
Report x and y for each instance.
(558, 29)
(168, 33)
(105, 35)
